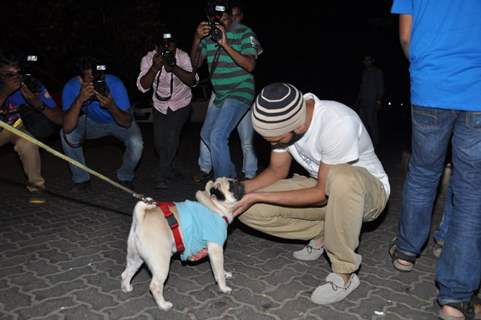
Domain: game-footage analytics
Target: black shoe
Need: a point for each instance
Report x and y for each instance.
(162, 184)
(81, 187)
(127, 183)
(37, 195)
(202, 177)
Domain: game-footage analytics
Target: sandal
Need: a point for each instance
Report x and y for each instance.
(401, 261)
(466, 308)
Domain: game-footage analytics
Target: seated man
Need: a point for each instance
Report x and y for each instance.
(96, 105)
(347, 183)
(15, 95)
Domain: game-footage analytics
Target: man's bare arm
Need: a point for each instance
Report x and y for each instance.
(278, 169)
(405, 28)
(302, 197)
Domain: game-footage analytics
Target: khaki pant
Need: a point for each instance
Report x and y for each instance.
(354, 196)
(29, 155)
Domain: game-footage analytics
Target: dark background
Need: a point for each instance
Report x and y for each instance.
(317, 47)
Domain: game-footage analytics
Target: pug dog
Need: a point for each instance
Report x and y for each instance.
(202, 224)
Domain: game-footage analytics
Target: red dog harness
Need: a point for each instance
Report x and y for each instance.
(174, 225)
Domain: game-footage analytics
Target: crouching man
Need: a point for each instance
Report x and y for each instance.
(95, 105)
(347, 183)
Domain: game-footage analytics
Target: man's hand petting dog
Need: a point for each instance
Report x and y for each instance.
(245, 203)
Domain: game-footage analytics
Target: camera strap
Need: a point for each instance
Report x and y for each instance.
(157, 95)
(213, 66)
(215, 61)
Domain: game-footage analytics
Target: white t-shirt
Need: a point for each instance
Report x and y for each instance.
(336, 135)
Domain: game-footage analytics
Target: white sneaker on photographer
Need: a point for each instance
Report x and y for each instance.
(309, 252)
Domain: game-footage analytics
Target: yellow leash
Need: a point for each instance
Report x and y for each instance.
(70, 160)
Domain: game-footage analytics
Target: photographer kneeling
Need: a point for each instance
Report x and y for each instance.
(168, 71)
(96, 105)
(17, 101)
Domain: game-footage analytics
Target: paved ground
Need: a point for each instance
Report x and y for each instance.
(63, 260)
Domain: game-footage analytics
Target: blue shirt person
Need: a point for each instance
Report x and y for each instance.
(441, 39)
(96, 105)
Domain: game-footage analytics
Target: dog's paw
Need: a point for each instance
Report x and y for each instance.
(166, 305)
(226, 289)
(126, 288)
(227, 274)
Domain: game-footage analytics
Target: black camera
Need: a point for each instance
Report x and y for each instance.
(215, 10)
(99, 83)
(27, 78)
(167, 54)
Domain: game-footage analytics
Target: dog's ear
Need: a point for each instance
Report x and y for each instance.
(203, 197)
(208, 184)
(218, 194)
(237, 189)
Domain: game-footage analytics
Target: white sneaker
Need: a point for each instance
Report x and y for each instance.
(308, 253)
(335, 289)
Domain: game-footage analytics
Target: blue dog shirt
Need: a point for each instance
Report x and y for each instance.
(199, 226)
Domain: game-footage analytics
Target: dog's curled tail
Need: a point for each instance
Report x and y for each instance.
(141, 208)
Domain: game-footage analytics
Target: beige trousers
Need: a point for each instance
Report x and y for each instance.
(29, 155)
(355, 196)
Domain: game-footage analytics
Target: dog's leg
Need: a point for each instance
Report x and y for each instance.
(216, 256)
(134, 261)
(160, 270)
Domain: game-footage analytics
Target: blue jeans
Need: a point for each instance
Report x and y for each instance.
(249, 158)
(88, 129)
(442, 229)
(218, 125)
(459, 267)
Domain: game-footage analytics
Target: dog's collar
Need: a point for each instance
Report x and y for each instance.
(174, 225)
(223, 217)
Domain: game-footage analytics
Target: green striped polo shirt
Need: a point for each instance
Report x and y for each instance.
(229, 79)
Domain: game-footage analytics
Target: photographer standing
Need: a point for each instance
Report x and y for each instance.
(231, 50)
(15, 96)
(168, 71)
(96, 105)
(244, 128)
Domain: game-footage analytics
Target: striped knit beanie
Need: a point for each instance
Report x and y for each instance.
(279, 108)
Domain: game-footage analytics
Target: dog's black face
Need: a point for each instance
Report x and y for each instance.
(217, 193)
(235, 188)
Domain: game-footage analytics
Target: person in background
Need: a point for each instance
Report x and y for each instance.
(230, 50)
(95, 105)
(15, 95)
(370, 95)
(167, 70)
(244, 128)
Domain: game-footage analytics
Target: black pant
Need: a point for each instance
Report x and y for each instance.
(167, 129)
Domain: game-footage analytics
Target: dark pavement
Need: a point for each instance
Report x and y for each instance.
(63, 260)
